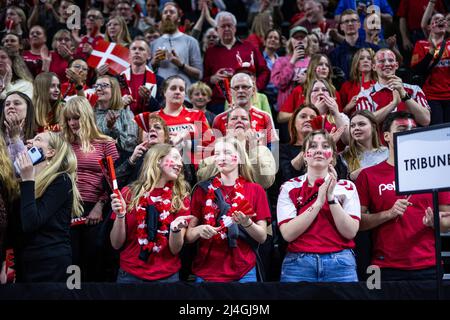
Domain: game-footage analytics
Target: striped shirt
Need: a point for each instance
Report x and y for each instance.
(89, 173)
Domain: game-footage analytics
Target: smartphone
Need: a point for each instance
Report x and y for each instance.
(36, 155)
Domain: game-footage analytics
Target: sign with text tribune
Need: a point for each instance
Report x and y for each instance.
(422, 158)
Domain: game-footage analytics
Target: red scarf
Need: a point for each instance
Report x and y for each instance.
(308, 195)
(238, 203)
(163, 204)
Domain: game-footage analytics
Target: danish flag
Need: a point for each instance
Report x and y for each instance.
(111, 53)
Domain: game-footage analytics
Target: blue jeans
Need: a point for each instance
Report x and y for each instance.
(314, 267)
(125, 277)
(248, 277)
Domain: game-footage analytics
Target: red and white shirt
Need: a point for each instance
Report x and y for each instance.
(379, 96)
(260, 121)
(159, 265)
(134, 81)
(322, 236)
(403, 242)
(215, 260)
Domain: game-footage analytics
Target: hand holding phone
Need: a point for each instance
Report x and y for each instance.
(25, 161)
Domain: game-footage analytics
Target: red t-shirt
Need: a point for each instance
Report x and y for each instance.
(159, 265)
(193, 121)
(33, 62)
(59, 66)
(413, 10)
(437, 85)
(259, 121)
(215, 260)
(349, 89)
(322, 235)
(403, 242)
(296, 98)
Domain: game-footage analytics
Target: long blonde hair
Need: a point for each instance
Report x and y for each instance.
(123, 37)
(354, 151)
(151, 174)
(116, 95)
(7, 176)
(244, 167)
(355, 74)
(64, 161)
(41, 99)
(89, 132)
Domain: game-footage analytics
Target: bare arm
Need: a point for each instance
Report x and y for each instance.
(427, 16)
(284, 117)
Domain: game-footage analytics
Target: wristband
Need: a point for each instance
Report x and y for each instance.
(79, 87)
(175, 231)
(121, 216)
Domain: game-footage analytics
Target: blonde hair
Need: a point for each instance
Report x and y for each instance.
(7, 176)
(116, 102)
(310, 87)
(41, 99)
(81, 108)
(59, 34)
(64, 161)
(123, 37)
(151, 174)
(200, 86)
(355, 74)
(312, 66)
(261, 24)
(244, 167)
(354, 151)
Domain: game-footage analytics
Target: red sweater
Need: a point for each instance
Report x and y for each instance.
(219, 57)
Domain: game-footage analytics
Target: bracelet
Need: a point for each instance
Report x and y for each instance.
(175, 231)
(121, 216)
(251, 222)
(182, 67)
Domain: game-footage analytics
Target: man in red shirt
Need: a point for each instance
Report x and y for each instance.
(141, 80)
(221, 60)
(260, 121)
(391, 94)
(403, 246)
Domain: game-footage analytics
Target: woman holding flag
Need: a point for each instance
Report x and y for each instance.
(151, 218)
(230, 216)
(362, 77)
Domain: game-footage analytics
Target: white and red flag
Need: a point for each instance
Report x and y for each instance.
(111, 53)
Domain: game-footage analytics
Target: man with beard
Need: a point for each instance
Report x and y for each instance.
(390, 94)
(222, 60)
(141, 81)
(175, 53)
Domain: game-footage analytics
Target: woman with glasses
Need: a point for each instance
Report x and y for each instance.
(90, 146)
(112, 118)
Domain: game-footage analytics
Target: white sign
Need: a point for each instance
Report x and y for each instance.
(422, 159)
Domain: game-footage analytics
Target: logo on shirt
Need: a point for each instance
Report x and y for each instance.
(383, 187)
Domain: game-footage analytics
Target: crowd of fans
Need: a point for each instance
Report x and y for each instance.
(250, 138)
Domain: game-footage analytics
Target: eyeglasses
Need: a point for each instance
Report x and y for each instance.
(79, 67)
(93, 17)
(351, 21)
(101, 86)
(243, 87)
(211, 37)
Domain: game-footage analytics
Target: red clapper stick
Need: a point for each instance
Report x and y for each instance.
(112, 174)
